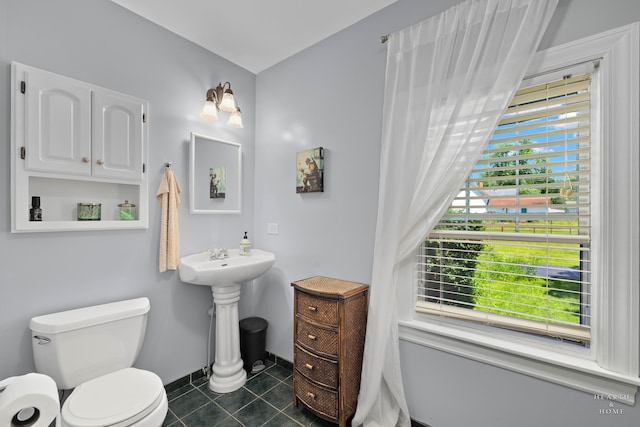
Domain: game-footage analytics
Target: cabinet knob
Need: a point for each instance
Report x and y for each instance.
(311, 395)
(312, 308)
(309, 366)
(311, 337)
(100, 162)
(85, 160)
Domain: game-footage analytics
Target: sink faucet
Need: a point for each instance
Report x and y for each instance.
(217, 253)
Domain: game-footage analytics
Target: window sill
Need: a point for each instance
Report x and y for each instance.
(571, 370)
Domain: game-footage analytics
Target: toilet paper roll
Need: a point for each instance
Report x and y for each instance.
(29, 400)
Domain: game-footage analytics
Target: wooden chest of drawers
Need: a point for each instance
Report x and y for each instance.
(329, 328)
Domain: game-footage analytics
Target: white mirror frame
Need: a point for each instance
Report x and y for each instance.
(228, 155)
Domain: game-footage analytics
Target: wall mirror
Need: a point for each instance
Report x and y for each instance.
(215, 176)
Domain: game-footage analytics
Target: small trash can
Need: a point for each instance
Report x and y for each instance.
(253, 339)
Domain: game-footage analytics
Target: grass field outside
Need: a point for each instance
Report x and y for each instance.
(529, 279)
(506, 281)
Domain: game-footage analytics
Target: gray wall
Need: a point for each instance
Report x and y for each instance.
(101, 43)
(331, 95)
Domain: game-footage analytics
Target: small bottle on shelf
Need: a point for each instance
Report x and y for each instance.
(35, 213)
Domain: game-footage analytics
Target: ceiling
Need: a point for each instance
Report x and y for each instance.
(254, 34)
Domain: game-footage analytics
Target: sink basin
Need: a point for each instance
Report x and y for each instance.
(198, 269)
(225, 277)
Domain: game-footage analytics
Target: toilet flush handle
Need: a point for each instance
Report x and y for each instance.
(42, 339)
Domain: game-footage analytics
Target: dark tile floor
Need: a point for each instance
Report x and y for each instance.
(265, 400)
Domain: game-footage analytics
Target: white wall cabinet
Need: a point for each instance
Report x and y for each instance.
(57, 120)
(73, 142)
(116, 147)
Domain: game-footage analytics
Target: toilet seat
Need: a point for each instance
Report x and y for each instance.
(117, 399)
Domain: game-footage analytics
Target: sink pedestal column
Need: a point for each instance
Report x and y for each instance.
(228, 372)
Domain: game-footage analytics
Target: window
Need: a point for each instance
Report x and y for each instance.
(600, 235)
(513, 248)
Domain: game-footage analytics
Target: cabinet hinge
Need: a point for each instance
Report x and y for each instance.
(23, 86)
(23, 153)
(144, 118)
(144, 167)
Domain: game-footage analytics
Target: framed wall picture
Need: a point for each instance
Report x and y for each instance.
(217, 182)
(310, 170)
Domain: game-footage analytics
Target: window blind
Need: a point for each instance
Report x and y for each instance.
(513, 248)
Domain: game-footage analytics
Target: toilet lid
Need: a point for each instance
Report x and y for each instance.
(116, 399)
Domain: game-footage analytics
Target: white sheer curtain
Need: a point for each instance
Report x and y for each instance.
(449, 80)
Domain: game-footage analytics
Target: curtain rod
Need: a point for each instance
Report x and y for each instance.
(595, 61)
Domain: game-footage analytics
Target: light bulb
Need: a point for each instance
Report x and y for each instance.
(235, 119)
(209, 111)
(228, 104)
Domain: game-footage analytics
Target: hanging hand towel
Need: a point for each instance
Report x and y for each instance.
(169, 197)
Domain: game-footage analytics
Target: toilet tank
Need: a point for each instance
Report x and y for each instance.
(75, 346)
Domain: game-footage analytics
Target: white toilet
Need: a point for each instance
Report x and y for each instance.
(92, 350)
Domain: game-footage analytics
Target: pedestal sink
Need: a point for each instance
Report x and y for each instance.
(225, 276)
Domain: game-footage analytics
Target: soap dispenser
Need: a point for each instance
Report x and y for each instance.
(245, 245)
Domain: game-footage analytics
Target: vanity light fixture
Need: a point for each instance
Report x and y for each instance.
(221, 98)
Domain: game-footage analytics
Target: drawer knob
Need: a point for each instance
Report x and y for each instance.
(100, 162)
(308, 366)
(311, 395)
(312, 308)
(311, 337)
(85, 160)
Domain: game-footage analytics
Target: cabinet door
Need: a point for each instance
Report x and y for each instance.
(57, 123)
(117, 136)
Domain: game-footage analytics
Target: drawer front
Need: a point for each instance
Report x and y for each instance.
(320, 370)
(317, 309)
(320, 340)
(316, 397)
